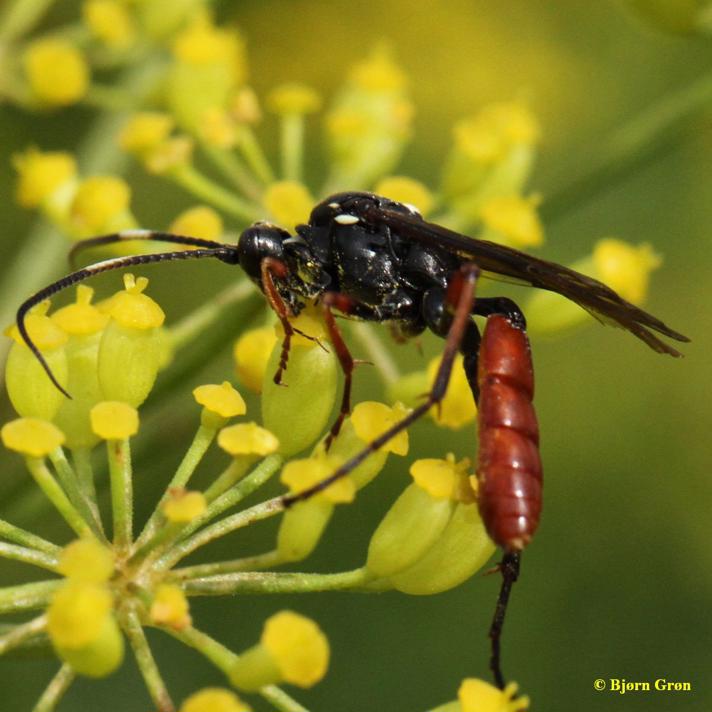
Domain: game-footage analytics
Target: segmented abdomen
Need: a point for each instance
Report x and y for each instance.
(508, 461)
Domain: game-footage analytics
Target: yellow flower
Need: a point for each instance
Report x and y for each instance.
(289, 202)
(457, 408)
(86, 561)
(77, 614)
(131, 308)
(514, 220)
(183, 505)
(247, 439)
(293, 98)
(443, 479)
(113, 420)
(299, 475)
(371, 419)
(57, 71)
(170, 607)
(406, 190)
(31, 436)
(98, 202)
(626, 268)
(214, 699)
(251, 352)
(109, 21)
(199, 221)
(223, 400)
(80, 318)
(479, 696)
(41, 174)
(145, 131)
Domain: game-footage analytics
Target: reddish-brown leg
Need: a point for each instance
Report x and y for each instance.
(345, 305)
(465, 301)
(271, 268)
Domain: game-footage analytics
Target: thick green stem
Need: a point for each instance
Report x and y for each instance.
(119, 456)
(248, 563)
(43, 477)
(55, 690)
(220, 529)
(28, 539)
(27, 596)
(292, 145)
(28, 556)
(271, 582)
(633, 144)
(252, 151)
(146, 663)
(21, 633)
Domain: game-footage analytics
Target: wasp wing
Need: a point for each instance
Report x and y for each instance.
(589, 293)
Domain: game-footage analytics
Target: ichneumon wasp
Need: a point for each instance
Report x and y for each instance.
(370, 258)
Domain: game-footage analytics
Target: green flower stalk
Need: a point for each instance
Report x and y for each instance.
(200, 130)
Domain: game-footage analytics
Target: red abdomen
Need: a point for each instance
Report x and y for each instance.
(508, 461)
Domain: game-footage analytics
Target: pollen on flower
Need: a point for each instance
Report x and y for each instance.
(132, 308)
(626, 268)
(170, 607)
(457, 408)
(41, 174)
(113, 420)
(31, 436)
(214, 699)
(299, 475)
(479, 696)
(298, 646)
(87, 561)
(223, 399)
(371, 419)
(293, 98)
(57, 71)
(515, 219)
(98, 201)
(82, 317)
(77, 614)
(184, 505)
(406, 190)
(441, 479)
(109, 21)
(251, 352)
(144, 131)
(247, 439)
(289, 202)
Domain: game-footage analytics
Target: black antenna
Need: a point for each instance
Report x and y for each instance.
(218, 252)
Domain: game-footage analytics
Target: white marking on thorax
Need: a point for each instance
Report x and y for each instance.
(346, 219)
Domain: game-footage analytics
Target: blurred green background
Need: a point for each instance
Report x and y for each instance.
(618, 582)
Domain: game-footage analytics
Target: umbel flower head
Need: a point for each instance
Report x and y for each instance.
(117, 576)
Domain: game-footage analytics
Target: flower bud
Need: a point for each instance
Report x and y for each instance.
(57, 72)
(347, 444)
(43, 176)
(251, 353)
(292, 649)
(101, 205)
(183, 505)
(199, 221)
(31, 392)
(457, 409)
(86, 561)
(479, 696)
(302, 527)
(289, 202)
(298, 411)
(406, 190)
(170, 607)
(220, 403)
(214, 699)
(31, 436)
(114, 420)
(131, 348)
(83, 630)
(110, 22)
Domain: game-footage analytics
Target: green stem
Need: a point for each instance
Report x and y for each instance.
(230, 165)
(229, 476)
(251, 150)
(27, 596)
(119, 457)
(21, 633)
(109, 98)
(292, 145)
(19, 17)
(81, 457)
(192, 326)
(43, 477)
(271, 582)
(146, 662)
(55, 690)
(211, 192)
(28, 556)
(28, 539)
(248, 563)
(224, 659)
(70, 482)
(633, 144)
(220, 529)
(377, 352)
(201, 442)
